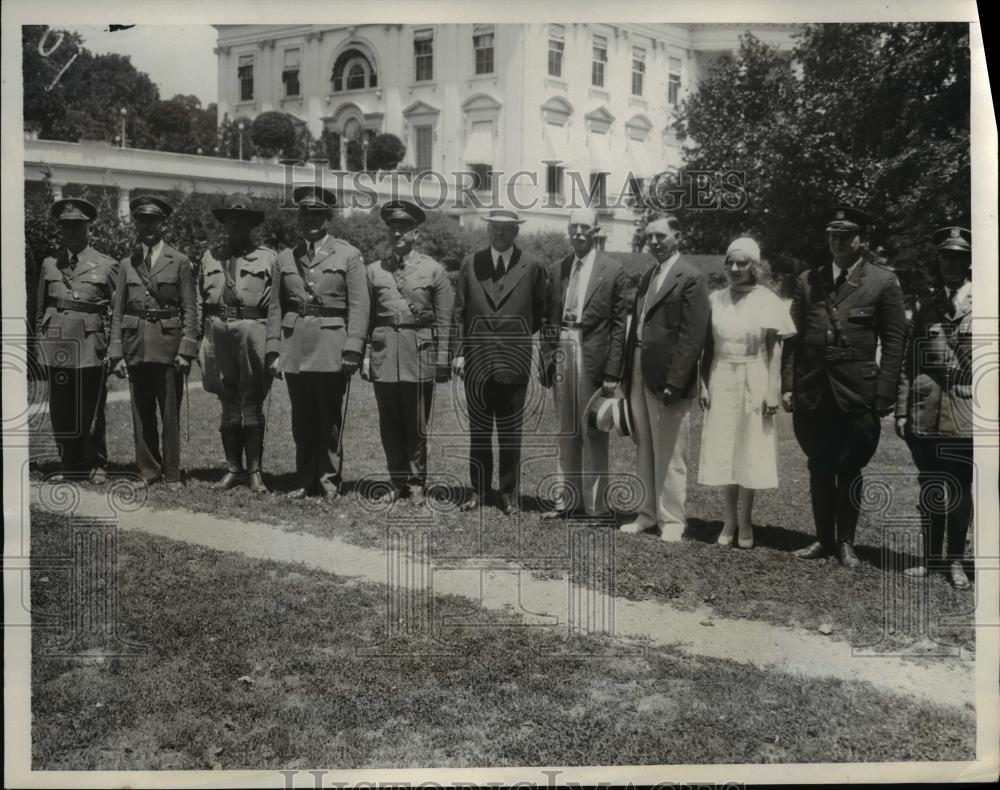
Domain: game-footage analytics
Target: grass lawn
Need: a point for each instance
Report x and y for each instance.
(767, 583)
(251, 664)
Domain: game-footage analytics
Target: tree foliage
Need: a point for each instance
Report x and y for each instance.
(386, 152)
(273, 133)
(872, 114)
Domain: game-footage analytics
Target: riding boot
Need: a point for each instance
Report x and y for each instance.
(232, 444)
(253, 442)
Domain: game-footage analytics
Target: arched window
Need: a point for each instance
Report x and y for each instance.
(353, 70)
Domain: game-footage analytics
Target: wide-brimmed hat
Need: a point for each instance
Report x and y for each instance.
(73, 210)
(606, 413)
(953, 238)
(240, 206)
(149, 204)
(845, 218)
(503, 216)
(314, 198)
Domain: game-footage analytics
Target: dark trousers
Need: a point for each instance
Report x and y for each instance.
(838, 445)
(317, 401)
(494, 404)
(944, 472)
(403, 411)
(157, 386)
(77, 397)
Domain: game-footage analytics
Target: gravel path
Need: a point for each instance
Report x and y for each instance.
(547, 602)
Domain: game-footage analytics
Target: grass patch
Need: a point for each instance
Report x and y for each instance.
(260, 665)
(767, 583)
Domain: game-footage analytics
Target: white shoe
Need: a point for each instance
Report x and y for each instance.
(633, 528)
(671, 533)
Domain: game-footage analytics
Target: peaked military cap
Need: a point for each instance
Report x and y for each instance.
(847, 219)
(238, 205)
(402, 211)
(953, 238)
(148, 204)
(73, 210)
(314, 198)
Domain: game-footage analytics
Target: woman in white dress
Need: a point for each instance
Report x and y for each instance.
(741, 389)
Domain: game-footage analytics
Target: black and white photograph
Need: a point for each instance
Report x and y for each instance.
(442, 393)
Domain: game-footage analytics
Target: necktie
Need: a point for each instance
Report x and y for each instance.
(148, 260)
(312, 250)
(952, 301)
(572, 292)
(73, 260)
(500, 269)
(841, 278)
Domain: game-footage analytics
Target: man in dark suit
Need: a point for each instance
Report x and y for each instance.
(934, 407)
(832, 381)
(499, 303)
(583, 344)
(74, 304)
(665, 340)
(154, 333)
(316, 326)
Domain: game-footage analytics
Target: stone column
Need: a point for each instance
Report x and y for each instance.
(124, 195)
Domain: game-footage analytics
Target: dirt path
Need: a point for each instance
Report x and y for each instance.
(546, 602)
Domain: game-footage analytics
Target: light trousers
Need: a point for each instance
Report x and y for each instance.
(662, 432)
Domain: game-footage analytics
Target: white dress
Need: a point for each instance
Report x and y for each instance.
(738, 443)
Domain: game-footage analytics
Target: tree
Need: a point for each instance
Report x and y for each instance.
(273, 133)
(386, 152)
(170, 123)
(879, 116)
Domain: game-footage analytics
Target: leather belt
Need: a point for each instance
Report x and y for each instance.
(230, 312)
(77, 306)
(153, 314)
(401, 322)
(304, 309)
(836, 354)
(570, 325)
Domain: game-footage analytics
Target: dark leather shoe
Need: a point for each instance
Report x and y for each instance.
(98, 476)
(472, 503)
(229, 480)
(847, 556)
(508, 505)
(814, 551)
(298, 493)
(956, 574)
(256, 483)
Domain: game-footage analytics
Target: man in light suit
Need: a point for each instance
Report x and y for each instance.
(583, 344)
(665, 340)
(316, 326)
(499, 303)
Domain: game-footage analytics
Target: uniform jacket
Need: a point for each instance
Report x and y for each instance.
(935, 388)
(416, 292)
(673, 335)
(69, 338)
(140, 341)
(252, 280)
(494, 321)
(311, 343)
(603, 315)
(869, 307)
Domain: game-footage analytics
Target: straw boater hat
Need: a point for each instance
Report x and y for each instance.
(238, 205)
(503, 215)
(606, 413)
(953, 238)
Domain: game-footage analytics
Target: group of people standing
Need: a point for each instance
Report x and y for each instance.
(840, 357)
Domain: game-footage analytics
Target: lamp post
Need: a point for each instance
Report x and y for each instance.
(364, 153)
(124, 114)
(240, 127)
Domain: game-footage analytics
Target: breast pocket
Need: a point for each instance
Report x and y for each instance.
(862, 316)
(130, 323)
(252, 284)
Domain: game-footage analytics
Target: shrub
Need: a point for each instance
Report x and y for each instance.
(386, 151)
(273, 132)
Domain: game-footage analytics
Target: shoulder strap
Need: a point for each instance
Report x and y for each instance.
(838, 327)
(149, 283)
(305, 283)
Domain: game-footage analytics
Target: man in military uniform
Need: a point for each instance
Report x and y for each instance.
(316, 327)
(75, 290)
(934, 405)
(235, 288)
(411, 304)
(832, 381)
(500, 301)
(154, 335)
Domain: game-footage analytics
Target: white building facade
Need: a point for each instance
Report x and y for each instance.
(578, 106)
